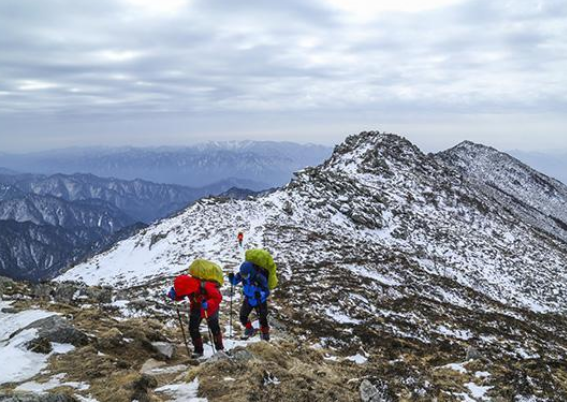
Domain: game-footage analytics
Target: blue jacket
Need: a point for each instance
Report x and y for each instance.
(255, 283)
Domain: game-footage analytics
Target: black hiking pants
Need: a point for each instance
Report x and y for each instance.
(261, 310)
(213, 323)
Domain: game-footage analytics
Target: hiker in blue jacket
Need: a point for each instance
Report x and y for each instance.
(255, 288)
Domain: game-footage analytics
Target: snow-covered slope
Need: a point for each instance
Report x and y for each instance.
(380, 216)
(527, 193)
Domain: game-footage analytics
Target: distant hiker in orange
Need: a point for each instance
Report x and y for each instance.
(240, 238)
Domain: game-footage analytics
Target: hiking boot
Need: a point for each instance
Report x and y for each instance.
(265, 334)
(249, 333)
(196, 355)
(218, 342)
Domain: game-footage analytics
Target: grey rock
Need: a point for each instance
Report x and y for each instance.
(359, 218)
(42, 291)
(138, 305)
(473, 353)
(99, 295)
(221, 355)
(165, 350)
(57, 329)
(65, 293)
(242, 355)
(287, 207)
(150, 365)
(123, 294)
(9, 310)
(372, 393)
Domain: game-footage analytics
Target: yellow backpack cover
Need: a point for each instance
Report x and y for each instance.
(264, 260)
(206, 271)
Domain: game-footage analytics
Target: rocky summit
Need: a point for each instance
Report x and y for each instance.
(401, 279)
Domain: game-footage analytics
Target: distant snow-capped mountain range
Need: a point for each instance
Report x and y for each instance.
(263, 164)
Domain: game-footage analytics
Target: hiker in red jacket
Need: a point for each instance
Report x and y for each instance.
(205, 299)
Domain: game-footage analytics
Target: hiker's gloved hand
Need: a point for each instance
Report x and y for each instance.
(258, 295)
(171, 294)
(231, 278)
(205, 305)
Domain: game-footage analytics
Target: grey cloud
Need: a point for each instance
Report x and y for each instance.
(215, 59)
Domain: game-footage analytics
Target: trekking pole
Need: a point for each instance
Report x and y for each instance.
(231, 310)
(210, 332)
(183, 331)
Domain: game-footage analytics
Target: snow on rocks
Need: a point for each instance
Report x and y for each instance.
(186, 392)
(14, 340)
(54, 382)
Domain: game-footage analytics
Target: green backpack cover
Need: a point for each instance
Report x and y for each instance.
(264, 260)
(206, 271)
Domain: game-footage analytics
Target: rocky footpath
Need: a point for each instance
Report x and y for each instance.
(126, 345)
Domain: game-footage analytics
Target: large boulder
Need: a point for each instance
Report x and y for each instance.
(57, 329)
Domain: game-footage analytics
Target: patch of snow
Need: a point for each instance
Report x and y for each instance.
(186, 392)
(88, 398)
(358, 359)
(457, 333)
(340, 317)
(478, 392)
(458, 367)
(53, 382)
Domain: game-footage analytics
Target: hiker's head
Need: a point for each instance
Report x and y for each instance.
(246, 269)
(186, 285)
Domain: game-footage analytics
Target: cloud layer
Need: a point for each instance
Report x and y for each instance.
(71, 71)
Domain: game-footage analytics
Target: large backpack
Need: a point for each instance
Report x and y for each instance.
(206, 271)
(264, 260)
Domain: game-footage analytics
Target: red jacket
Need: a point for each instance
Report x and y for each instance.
(187, 286)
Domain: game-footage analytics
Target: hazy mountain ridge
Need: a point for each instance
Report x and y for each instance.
(266, 163)
(35, 252)
(49, 210)
(142, 200)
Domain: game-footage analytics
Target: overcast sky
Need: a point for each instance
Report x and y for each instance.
(165, 72)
